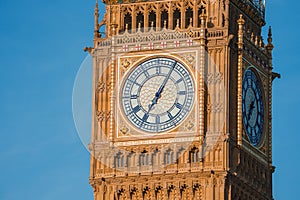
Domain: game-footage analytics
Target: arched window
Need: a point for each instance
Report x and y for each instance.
(152, 19)
(130, 159)
(180, 156)
(164, 19)
(128, 22)
(144, 158)
(140, 21)
(188, 17)
(195, 155)
(155, 158)
(169, 157)
(119, 160)
(223, 20)
(176, 18)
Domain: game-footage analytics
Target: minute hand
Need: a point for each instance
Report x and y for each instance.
(157, 94)
(166, 80)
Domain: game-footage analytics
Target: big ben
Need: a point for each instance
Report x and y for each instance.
(182, 101)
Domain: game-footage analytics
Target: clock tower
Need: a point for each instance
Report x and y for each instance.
(182, 101)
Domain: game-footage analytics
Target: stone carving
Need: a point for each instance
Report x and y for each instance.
(147, 193)
(190, 125)
(125, 63)
(103, 87)
(217, 107)
(124, 130)
(214, 78)
(121, 194)
(189, 58)
(103, 115)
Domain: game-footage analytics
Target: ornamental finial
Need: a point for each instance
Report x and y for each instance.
(96, 22)
(270, 45)
(241, 23)
(202, 17)
(96, 15)
(270, 39)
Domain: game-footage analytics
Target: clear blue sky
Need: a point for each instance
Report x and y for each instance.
(42, 157)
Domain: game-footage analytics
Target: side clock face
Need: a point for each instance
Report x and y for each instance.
(157, 95)
(253, 109)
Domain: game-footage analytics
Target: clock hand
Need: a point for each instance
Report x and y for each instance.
(158, 93)
(166, 80)
(251, 109)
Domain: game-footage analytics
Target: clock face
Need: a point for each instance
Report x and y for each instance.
(157, 95)
(253, 109)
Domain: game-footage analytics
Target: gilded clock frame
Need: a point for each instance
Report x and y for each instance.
(262, 79)
(126, 63)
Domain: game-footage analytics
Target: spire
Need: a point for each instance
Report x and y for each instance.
(270, 45)
(202, 17)
(203, 30)
(96, 15)
(270, 39)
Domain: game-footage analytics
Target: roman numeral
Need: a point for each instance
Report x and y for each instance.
(179, 80)
(157, 119)
(178, 105)
(136, 109)
(182, 92)
(169, 115)
(132, 81)
(158, 70)
(146, 74)
(134, 96)
(145, 117)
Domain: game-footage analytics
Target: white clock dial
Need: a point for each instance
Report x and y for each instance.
(157, 95)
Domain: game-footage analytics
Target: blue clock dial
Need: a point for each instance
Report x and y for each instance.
(157, 95)
(253, 108)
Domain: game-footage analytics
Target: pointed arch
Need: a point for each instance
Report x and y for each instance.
(164, 19)
(144, 158)
(140, 20)
(189, 17)
(128, 22)
(194, 155)
(126, 18)
(131, 159)
(156, 158)
(169, 157)
(176, 18)
(152, 19)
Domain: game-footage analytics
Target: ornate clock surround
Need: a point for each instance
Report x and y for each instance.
(127, 62)
(262, 76)
(253, 107)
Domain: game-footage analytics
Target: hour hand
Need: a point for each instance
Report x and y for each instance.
(154, 101)
(250, 109)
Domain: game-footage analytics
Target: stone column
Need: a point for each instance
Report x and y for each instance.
(240, 22)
